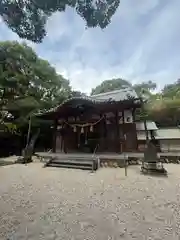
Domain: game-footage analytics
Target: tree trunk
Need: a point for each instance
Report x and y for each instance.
(29, 132)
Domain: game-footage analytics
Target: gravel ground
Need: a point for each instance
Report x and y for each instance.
(49, 203)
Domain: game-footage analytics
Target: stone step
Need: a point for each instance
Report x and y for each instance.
(74, 161)
(63, 165)
(75, 158)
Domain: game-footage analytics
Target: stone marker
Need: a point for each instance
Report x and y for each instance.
(151, 161)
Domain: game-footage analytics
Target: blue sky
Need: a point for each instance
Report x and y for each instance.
(141, 43)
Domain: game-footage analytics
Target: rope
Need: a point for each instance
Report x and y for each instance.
(84, 125)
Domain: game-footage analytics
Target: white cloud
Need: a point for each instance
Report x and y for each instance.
(137, 7)
(127, 41)
(159, 47)
(141, 43)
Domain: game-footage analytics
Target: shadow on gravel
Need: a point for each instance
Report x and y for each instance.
(5, 163)
(137, 170)
(158, 175)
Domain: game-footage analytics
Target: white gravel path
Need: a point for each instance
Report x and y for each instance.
(49, 203)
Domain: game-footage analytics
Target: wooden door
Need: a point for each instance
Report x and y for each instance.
(59, 143)
(130, 137)
(66, 141)
(111, 139)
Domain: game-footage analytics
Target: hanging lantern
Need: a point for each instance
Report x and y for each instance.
(91, 128)
(74, 129)
(82, 130)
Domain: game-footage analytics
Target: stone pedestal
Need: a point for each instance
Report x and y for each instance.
(151, 161)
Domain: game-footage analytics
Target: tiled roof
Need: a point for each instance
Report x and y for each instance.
(168, 133)
(160, 134)
(117, 95)
(113, 96)
(150, 126)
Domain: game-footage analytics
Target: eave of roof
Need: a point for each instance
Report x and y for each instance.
(161, 134)
(168, 133)
(149, 124)
(112, 97)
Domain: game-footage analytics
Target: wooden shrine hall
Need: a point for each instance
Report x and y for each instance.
(100, 123)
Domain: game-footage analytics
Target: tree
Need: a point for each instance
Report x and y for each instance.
(164, 106)
(27, 82)
(28, 18)
(145, 88)
(77, 94)
(172, 90)
(110, 85)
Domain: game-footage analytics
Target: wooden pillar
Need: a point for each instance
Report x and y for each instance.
(134, 122)
(105, 127)
(123, 133)
(54, 135)
(101, 130)
(133, 114)
(117, 132)
(76, 135)
(144, 120)
(65, 136)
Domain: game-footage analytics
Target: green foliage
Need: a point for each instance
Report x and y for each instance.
(27, 82)
(28, 18)
(172, 90)
(77, 94)
(10, 127)
(110, 85)
(162, 107)
(165, 106)
(145, 88)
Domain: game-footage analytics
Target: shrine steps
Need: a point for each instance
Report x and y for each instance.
(75, 162)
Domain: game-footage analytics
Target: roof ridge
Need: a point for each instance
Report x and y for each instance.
(114, 91)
